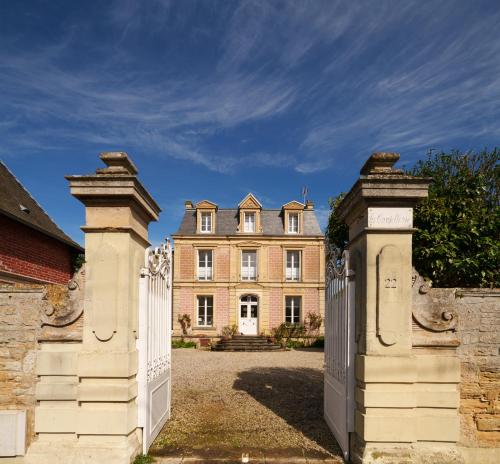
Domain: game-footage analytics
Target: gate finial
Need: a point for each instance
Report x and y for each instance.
(381, 163)
(117, 162)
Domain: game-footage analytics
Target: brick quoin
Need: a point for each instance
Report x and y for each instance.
(27, 252)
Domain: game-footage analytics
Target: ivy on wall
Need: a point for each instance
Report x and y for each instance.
(457, 243)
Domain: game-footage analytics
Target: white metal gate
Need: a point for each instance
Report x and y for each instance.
(154, 342)
(339, 348)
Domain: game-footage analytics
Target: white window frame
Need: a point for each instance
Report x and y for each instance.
(204, 308)
(296, 309)
(291, 224)
(245, 275)
(205, 272)
(206, 226)
(293, 273)
(246, 225)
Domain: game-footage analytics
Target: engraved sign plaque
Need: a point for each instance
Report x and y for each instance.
(390, 218)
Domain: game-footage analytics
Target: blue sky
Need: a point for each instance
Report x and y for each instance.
(214, 99)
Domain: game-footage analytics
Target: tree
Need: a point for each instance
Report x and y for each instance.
(457, 242)
(337, 232)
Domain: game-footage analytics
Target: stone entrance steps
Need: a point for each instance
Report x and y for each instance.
(246, 343)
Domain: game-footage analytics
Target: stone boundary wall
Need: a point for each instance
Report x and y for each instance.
(466, 321)
(31, 316)
(479, 352)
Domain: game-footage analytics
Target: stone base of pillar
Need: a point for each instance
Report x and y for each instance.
(400, 453)
(84, 450)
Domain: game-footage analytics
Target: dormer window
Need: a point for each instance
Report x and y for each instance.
(249, 215)
(206, 223)
(249, 225)
(293, 223)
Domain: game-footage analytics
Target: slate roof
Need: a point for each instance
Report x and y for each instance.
(14, 197)
(227, 222)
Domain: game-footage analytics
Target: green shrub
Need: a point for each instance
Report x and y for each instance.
(183, 344)
(313, 323)
(229, 330)
(143, 459)
(295, 344)
(285, 331)
(458, 226)
(318, 343)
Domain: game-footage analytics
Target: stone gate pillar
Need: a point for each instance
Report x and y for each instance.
(396, 416)
(101, 425)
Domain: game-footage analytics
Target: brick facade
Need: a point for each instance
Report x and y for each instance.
(310, 301)
(269, 235)
(275, 307)
(222, 310)
(27, 252)
(271, 286)
(186, 260)
(222, 259)
(311, 263)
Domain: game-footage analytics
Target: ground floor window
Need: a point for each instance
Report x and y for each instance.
(292, 309)
(205, 311)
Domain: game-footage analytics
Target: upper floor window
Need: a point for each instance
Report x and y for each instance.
(206, 222)
(249, 265)
(293, 265)
(205, 311)
(293, 223)
(205, 267)
(249, 222)
(292, 309)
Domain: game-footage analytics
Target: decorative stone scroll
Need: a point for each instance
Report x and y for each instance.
(64, 306)
(432, 314)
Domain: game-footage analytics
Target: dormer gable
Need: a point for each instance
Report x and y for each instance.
(205, 204)
(250, 201)
(294, 204)
(249, 215)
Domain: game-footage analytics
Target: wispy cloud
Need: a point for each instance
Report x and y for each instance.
(309, 82)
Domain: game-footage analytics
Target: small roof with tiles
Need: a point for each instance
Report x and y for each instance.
(17, 203)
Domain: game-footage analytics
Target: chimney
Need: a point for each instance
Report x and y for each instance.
(309, 205)
(188, 204)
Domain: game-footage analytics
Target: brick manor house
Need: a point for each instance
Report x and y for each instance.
(247, 266)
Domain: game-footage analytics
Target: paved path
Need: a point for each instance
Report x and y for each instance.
(269, 405)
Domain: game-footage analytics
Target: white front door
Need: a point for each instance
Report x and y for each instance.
(249, 310)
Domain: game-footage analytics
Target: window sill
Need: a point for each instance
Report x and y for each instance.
(204, 327)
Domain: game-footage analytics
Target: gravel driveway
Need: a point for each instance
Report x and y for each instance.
(269, 405)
